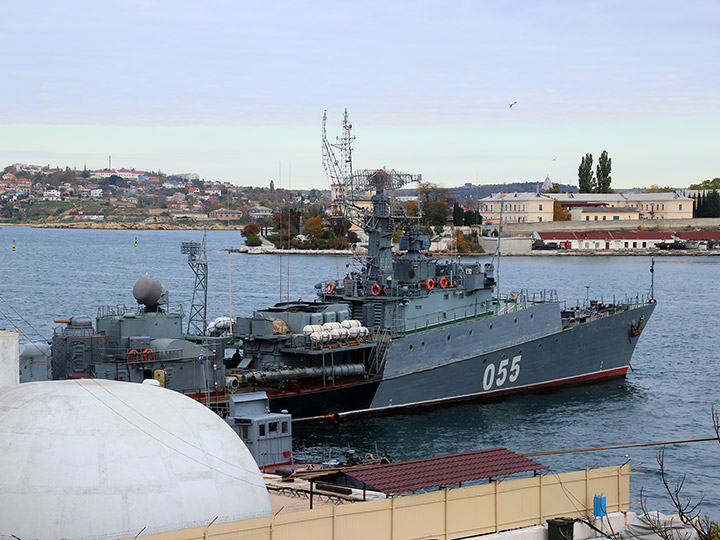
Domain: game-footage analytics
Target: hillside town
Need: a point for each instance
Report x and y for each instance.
(548, 217)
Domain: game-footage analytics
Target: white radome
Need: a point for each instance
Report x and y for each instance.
(92, 458)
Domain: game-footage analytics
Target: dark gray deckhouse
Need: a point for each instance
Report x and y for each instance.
(401, 330)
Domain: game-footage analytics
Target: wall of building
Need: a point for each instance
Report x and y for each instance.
(9, 358)
(450, 513)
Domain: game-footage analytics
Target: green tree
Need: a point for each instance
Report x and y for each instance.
(586, 178)
(707, 184)
(602, 172)
(7, 209)
(472, 217)
(458, 214)
(253, 240)
(712, 204)
(436, 213)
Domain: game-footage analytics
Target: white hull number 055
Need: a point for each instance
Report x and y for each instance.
(489, 378)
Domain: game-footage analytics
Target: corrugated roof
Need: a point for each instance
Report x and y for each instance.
(404, 476)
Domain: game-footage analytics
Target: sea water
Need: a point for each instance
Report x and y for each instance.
(668, 395)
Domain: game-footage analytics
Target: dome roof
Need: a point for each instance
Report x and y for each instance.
(92, 458)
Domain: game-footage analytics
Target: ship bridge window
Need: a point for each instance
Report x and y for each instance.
(272, 427)
(261, 430)
(284, 427)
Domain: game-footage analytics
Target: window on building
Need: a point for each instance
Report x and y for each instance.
(626, 244)
(680, 206)
(595, 218)
(540, 218)
(587, 218)
(616, 218)
(634, 244)
(541, 208)
(644, 244)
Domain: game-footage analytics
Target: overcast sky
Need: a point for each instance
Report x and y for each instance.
(235, 91)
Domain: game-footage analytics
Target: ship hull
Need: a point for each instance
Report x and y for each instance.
(440, 366)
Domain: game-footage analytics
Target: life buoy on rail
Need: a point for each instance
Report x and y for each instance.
(430, 284)
(133, 356)
(329, 287)
(443, 282)
(375, 289)
(148, 354)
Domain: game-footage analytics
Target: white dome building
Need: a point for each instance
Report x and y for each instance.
(105, 459)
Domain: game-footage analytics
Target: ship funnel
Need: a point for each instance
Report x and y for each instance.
(149, 292)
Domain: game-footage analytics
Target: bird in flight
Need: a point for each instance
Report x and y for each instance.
(513, 103)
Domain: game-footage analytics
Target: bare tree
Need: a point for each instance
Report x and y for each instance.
(688, 510)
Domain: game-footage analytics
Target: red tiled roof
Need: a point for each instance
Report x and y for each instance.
(698, 235)
(634, 235)
(433, 472)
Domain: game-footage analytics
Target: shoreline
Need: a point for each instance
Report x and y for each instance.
(542, 253)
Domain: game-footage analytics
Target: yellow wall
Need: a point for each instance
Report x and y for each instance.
(450, 513)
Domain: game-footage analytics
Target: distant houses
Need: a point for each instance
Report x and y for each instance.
(540, 207)
(223, 214)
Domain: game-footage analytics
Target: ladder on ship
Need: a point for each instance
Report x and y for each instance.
(378, 356)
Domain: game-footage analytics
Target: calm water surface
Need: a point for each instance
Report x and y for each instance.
(55, 274)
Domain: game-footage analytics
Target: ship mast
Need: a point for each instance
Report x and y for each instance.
(381, 221)
(197, 260)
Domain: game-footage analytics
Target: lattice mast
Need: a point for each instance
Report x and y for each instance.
(380, 222)
(197, 260)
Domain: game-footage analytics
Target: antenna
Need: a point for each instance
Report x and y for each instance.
(497, 252)
(652, 278)
(197, 260)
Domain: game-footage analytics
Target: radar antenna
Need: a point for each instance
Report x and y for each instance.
(197, 260)
(347, 185)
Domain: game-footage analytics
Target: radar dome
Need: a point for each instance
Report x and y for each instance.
(90, 458)
(147, 291)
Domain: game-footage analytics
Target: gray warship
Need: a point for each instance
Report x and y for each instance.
(400, 330)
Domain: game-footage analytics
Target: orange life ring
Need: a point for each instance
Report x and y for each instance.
(329, 287)
(443, 282)
(375, 289)
(430, 284)
(133, 356)
(148, 354)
